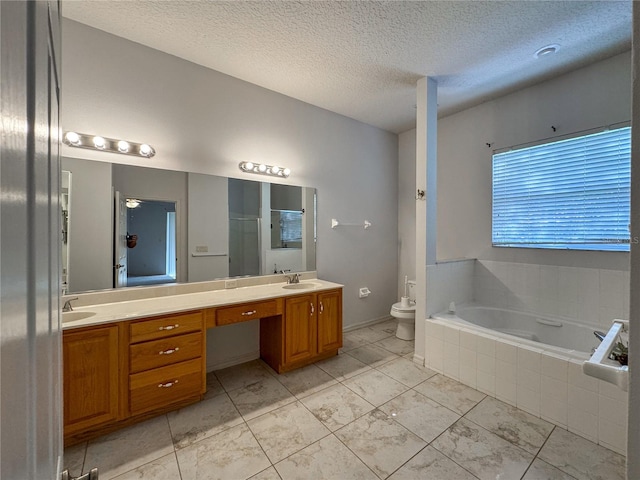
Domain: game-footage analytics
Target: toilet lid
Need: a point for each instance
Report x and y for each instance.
(399, 308)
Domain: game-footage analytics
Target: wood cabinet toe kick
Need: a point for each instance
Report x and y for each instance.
(124, 372)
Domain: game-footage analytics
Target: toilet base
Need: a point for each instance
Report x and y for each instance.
(406, 329)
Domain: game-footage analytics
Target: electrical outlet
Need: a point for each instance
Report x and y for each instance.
(230, 283)
(202, 249)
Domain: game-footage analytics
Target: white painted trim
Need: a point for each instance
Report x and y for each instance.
(367, 323)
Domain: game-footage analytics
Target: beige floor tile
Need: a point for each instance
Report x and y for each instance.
(203, 419)
(515, 426)
(482, 453)
(405, 371)
(242, 375)
(381, 443)
(232, 454)
(305, 381)
(396, 345)
(261, 397)
(164, 468)
(74, 458)
(129, 448)
(372, 355)
(452, 394)
(327, 459)
(336, 406)
(581, 458)
(286, 430)
(370, 335)
(343, 366)
(375, 387)
(350, 341)
(268, 474)
(420, 414)
(431, 464)
(387, 326)
(540, 470)
(214, 387)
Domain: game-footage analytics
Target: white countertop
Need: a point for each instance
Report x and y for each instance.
(148, 307)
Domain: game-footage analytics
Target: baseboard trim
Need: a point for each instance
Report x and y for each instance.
(367, 323)
(419, 359)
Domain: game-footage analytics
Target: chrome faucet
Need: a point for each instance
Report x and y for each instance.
(295, 278)
(67, 305)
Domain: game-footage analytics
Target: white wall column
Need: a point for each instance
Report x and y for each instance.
(426, 179)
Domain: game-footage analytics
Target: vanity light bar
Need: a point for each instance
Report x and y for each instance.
(111, 145)
(264, 169)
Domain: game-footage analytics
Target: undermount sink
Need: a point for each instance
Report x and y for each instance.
(300, 286)
(74, 316)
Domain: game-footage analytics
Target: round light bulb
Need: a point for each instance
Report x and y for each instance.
(99, 142)
(73, 138)
(287, 172)
(248, 165)
(275, 170)
(145, 150)
(123, 146)
(262, 167)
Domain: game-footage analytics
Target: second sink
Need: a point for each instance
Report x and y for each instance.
(73, 316)
(300, 286)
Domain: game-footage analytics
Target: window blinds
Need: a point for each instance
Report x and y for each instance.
(570, 194)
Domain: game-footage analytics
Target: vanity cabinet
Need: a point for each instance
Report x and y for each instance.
(91, 377)
(329, 321)
(166, 361)
(310, 330)
(120, 373)
(125, 372)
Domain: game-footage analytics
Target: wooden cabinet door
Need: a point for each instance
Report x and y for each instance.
(300, 328)
(90, 369)
(329, 320)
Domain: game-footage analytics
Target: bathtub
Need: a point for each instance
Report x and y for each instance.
(533, 362)
(557, 335)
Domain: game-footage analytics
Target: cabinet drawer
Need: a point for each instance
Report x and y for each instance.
(165, 327)
(162, 386)
(166, 351)
(245, 312)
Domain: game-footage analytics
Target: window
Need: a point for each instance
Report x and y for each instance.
(570, 194)
(286, 229)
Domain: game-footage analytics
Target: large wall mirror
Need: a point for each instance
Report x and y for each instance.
(130, 226)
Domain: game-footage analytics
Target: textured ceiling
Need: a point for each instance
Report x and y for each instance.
(362, 58)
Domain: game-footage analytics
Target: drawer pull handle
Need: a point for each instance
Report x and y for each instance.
(169, 351)
(312, 309)
(321, 307)
(169, 327)
(168, 384)
(249, 313)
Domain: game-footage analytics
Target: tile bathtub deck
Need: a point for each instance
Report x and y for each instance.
(369, 413)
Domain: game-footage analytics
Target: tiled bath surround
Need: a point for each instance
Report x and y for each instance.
(450, 281)
(587, 295)
(540, 382)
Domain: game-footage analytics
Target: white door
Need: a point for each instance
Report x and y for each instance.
(120, 232)
(30, 238)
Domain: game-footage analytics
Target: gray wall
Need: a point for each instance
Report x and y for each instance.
(202, 121)
(209, 204)
(406, 208)
(90, 247)
(594, 96)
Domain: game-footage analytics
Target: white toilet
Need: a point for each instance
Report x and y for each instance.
(405, 312)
